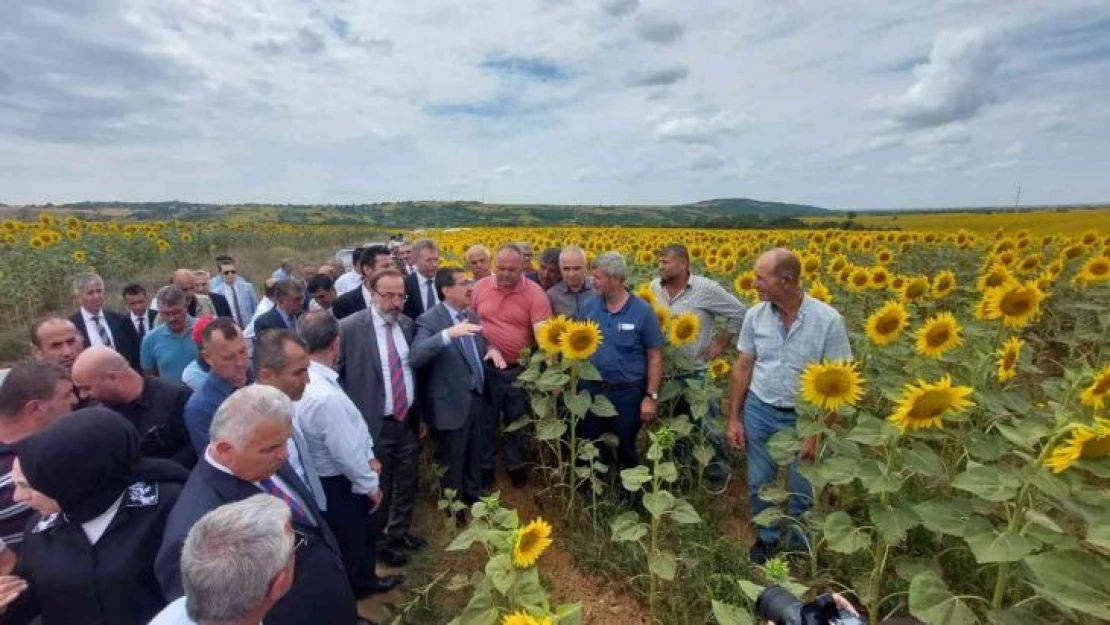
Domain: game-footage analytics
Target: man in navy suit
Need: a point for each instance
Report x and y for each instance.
(420, 285)
(102, 327)
(288, 305)
(247, 456)
(449, 349)
(142, 315)
(372, 260)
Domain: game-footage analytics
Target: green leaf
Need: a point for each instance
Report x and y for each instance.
(892, 523)
(773, 493)
(932, 602)
(587, 371)
(1074, 579)
(569, 614)
(550, 429)
(767, 518)
(727, 614)
(543, 405)
(751, 590)
(1023, 433)
(632, 479)
(883, 483)
(602, 407)
(703, 454)
(985, 447)
(666, 471)
(921, 459)
(1043, 520)
(1012, 615)
(908, 568)
(628, 528)
(988, 482)
(684, 513)
(1098, 533)
(662, 564)
(479, 611)
(843, 537)
(659, 502)
(990, 546)
(872, 431)
(946, 516)
(783, 446)
(519, 424)
(838, 470)
(577, 403)
(1049, 484)
(500, 572)
(463, 541)
(528, 592)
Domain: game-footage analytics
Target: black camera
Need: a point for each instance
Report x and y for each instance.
(776, 604)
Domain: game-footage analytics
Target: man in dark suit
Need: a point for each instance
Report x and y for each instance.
(448, 349)
(247, 456)
(371, 260)
(142, 315)
(288, 305)
(420, 285)
(373, 367)
(102, 327)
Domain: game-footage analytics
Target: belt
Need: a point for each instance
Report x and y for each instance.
(782, 408)
(619, 386)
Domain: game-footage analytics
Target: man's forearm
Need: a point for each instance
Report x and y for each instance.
(738, 392)
(655, 371)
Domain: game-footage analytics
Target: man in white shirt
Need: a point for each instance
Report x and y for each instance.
(138, 307)
(237, 562)
(420, 286)
(102, 327)
(339, 446)
(352, 278)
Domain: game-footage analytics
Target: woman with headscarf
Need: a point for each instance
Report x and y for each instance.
(88, 555)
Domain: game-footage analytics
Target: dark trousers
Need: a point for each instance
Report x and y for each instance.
(460, 451)
(626, 424)
(348, 516)
(398, 449)
(512, 403)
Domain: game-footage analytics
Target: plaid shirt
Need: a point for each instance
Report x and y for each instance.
(708, 300)
(780, 357)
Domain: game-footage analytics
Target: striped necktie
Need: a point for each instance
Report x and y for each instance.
(102, 331)
(396, 375)
(299, 513)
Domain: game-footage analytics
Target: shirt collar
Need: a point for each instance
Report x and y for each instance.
(324, 371)
(88, 315)
(451, 311)
(212, 461)
(367, 297)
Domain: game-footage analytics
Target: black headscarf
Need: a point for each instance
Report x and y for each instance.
(85, 461)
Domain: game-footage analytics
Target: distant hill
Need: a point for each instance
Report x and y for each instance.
(731, 212)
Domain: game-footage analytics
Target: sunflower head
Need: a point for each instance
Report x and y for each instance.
(924, 405)
(830, 385)
(683, 329)
(885, 325)
(1008, 356)
(1097, 269)
(580, 339)
(719, 368)
(662, 314)
(940, 334)
(78, 256)
(519, 618)
(1097, 394)
(859, 278)
(1085, 442)
(530, 542)
(915, 288)
(744, 284)
(818, 290)
(550, 333)
(645, 293)
(943, 284)
(1015, 303)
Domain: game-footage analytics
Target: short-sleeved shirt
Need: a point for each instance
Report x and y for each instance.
(708, 300)
(507, 315)
(168, 353)
(570, 303)
(817, 334)
(626, 335)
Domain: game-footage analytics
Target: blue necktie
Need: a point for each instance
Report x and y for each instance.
(473, 357)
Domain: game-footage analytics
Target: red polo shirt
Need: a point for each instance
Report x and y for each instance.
(507, 315)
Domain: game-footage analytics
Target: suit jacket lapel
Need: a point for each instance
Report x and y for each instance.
(375, 355)
(290, 477)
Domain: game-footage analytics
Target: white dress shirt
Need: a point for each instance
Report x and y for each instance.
(337, 438)
(95, 528)
(423, 282)
(366, 297)
(135, 322)
(383, 355)
(348, 282)
(90, 327)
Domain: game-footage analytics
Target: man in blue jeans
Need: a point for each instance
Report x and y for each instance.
(781, 335)
(629, 359)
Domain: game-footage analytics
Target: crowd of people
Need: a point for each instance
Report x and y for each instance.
(210, 456)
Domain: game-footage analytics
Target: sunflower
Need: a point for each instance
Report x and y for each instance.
(884, 257)
(186, 237)
(580, 339)
(719, 368)
(645, 293)
(663, 314)
(744, 284)
(939, 334)
(915, 288)
(550, 333)
(1085, 442)
(885, 325)
(36, 243)
(683, 329)
(838, 264)
(996, 276)
(832, 384)
(1007, 358)
(943, 284)
(530, 542)
(1015, 303)
(859, 278)
(818, 290)
(1097, 269)
(1097, 393)
(519, 618)
(924, 405)
(78, 256)
(163, 246)
(880, 277)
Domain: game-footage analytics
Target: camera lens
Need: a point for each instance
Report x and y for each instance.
(778, 605)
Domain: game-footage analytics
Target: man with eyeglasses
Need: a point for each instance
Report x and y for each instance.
(374, 370)
(237, 291)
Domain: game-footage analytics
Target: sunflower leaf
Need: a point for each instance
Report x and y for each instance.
(587, 371)
(632, 479)
(751, 590)
(602, 407)
(684, 513)
(872, 431)
(666, 471)
(768, 517)
(658, 503)
(703, 454)
(783, 446)
(843, 537)
(727, 614)
(892, 523)
(500, 572)
(932, 602)
(921, 459)
(990, 546)
(550, 429)
(662, 564)
(577, 403)
(628, 528)
(988, 482)
(543, 405)
(945, 516)
(1074, 579)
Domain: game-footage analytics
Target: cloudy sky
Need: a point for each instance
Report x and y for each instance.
(842, 104)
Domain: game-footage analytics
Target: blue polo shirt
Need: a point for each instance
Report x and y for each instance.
(625, 334)
(168, 353)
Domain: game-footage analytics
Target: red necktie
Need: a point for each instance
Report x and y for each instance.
(396, 376)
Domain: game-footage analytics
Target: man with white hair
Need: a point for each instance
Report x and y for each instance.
(246, 456)
(236, 563)
(570, 295)
(102, 327)
(478, 261)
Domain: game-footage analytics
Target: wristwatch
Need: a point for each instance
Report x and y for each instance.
(653, 396)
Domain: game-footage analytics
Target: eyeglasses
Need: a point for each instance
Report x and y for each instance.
(299, 540)
(403, 297)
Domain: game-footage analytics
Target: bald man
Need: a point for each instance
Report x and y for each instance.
(156, 407)
(197, 304)
(56, 340)
(780, 337)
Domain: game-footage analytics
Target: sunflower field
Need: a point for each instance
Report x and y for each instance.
(964, 453)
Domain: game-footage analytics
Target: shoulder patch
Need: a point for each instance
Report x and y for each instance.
(141, 495)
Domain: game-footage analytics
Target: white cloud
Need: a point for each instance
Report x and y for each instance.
(699, 128)
(1015, 148)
